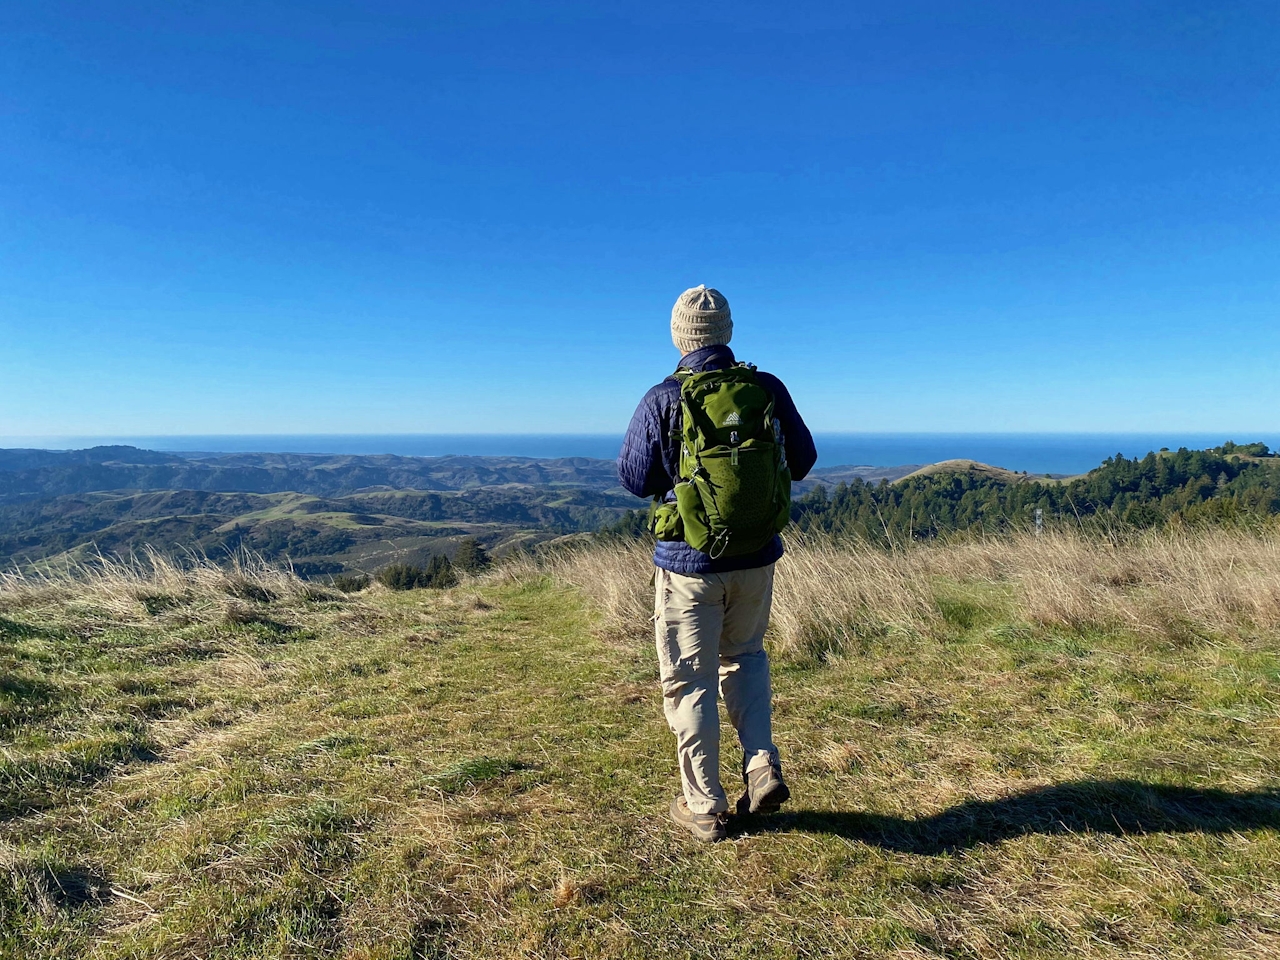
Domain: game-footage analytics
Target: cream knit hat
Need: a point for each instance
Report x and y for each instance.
(700, 318)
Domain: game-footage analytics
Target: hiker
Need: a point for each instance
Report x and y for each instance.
(717, 516)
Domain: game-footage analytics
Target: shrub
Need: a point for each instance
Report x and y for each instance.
(402, 576)
(350, 582)
(634, 525)
(438, 573)
(246, 588)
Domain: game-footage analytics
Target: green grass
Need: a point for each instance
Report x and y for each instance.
(480, 773)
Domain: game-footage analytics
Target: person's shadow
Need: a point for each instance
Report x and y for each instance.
(1116, 807)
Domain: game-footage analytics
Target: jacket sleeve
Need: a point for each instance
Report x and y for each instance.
(801, 453)
(641, 469)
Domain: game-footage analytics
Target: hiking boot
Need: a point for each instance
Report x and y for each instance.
(766, 790)
(708, 827)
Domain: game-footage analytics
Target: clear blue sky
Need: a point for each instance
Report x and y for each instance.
(455, 217)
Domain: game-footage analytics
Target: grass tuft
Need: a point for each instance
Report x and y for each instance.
(471, 773)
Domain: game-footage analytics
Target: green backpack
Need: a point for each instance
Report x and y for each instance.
(734, 489)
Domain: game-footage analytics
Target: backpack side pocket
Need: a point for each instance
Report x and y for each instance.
(666, 522)
(693, 516)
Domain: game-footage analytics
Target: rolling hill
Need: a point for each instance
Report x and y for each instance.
(323, 514)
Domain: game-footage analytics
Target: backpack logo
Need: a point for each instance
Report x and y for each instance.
(732, 420)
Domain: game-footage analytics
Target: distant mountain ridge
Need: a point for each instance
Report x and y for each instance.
(22, 458)
(53, 473)
(47, 473)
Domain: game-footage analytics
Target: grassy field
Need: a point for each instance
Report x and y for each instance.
(1018, 748)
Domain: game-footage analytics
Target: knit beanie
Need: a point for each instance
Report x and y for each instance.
(700, 318)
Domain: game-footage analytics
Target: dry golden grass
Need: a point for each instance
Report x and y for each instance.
(151, 583)
(831, 595)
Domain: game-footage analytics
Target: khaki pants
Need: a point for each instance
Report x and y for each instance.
(710, 636)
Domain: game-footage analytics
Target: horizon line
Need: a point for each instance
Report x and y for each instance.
(5, 438)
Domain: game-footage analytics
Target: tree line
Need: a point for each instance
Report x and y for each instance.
(439, 572)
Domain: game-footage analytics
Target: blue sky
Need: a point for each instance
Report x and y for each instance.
(406, 217)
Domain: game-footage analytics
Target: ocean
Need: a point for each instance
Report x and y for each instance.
(1037, 453)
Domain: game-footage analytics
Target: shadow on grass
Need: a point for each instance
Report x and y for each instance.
(1116, 807)
(51, 887)
(13, 630)
(28, 786)
(72, 887)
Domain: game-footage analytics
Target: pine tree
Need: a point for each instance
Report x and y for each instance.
(470, 556)
(439, 573)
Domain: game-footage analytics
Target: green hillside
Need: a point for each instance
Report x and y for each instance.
(1230, 484)
(969, 468)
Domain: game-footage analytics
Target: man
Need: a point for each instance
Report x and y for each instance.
(711, 610)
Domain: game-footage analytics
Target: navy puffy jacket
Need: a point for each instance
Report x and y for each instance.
(650, 461)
